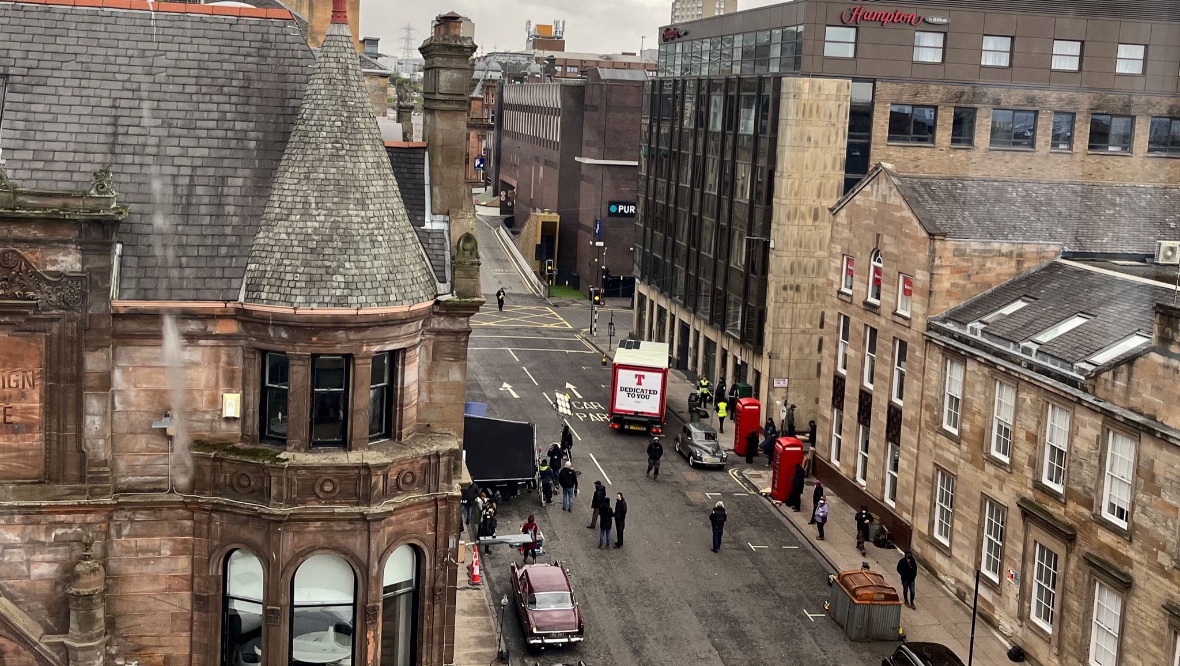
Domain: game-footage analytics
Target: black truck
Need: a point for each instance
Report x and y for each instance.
(500, 453)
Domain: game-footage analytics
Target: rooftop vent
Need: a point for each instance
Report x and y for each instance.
(1167, 253)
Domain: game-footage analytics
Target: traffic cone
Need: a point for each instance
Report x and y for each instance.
(473, 577)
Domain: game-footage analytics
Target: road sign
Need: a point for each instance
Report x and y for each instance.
(598, 229)
(479, 163)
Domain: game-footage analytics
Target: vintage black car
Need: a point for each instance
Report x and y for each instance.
(699, 444)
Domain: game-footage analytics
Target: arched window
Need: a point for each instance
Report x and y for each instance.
(399, 608)
(323, 611)
(241, 621)
(875, 272)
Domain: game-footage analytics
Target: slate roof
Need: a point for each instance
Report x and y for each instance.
(1084, 217)
(335, 233)
(409, 168)
(199, 105)
(1119, 305)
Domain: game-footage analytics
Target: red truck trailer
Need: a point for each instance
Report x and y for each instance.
(639, 387)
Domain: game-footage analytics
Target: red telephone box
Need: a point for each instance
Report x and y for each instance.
(788, 452)
(747, 417)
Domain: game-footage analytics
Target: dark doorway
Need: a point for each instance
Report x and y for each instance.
(682, 347)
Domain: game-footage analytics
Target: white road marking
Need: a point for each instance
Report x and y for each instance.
(812, 616)
(599, 467)
(755, 548)
(548, 398)
(508, 387)
(791, 547)
(740, 494)
(510, 350)
(513, 356)
(712, 494)
(573, 389)
(526, 371)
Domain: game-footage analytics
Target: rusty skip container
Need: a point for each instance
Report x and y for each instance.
(865, 606)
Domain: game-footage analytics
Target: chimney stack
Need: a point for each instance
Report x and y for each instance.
(370, 44)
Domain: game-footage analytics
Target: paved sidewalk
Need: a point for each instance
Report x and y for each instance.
(940, 616)
(475, 622)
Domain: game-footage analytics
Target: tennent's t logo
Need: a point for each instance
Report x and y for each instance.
(639, 380)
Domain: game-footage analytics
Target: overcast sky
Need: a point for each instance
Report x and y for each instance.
(605, 26)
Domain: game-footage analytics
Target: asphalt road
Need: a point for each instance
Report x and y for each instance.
(664, 598)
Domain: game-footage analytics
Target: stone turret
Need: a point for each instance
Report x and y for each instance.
(87, 638)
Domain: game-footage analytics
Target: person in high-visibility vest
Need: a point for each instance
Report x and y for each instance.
(704, 387)
(722, 412)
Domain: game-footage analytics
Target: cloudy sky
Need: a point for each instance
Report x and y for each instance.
(606, 26)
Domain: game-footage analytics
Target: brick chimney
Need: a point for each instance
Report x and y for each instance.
(445, 87)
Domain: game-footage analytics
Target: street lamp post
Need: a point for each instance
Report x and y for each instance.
(501, 648)
(974, 612)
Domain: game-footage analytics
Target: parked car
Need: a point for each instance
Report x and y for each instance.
(922, 654)
(699, 444)
(545, 603)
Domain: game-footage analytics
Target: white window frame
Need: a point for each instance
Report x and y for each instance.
(862, 454)
(904, 303)
(1104, 625)
(1128, 63)
(1175, 647)
(952, 397)
(838, 45)
(944, 506)
(901, 353)
(875, 277)
(892, 466)
(847, 274)
(1006, 52)
(870, 364)
(933, 52)
(843, 331)
(991, 557)
(1003, 421)
(837, 434)
(1118, 485)
(1069, 61)
(1043, 599)
(1056, 439)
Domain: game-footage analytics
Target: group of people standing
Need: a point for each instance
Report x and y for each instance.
(604, 517)
(556, 469)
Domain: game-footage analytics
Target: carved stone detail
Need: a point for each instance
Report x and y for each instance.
(274, 615)
(372, 613)
(21, 281)
(327, 487)
(201, 603)
(243, 482)
(406, 480)
(101, 184)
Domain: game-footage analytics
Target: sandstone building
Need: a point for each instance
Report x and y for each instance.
(760, 120)
(232, 366)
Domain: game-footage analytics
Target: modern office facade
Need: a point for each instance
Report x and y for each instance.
(760, 120)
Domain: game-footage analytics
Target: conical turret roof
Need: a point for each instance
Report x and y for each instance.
(335, 233)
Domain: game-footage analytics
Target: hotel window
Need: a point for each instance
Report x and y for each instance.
(837, 435)
(912, 124)
(1014, 129)
(1163, 137)
(1044, 596)
(399, 606)
(1110, 133)
(1104, 630)
(275, 414)
(1056, 448)
(843, 324)
(876, 270)
(1067, 55)
(952, 402)
(928, 46)
(963, 127)
(892, 459)
(1003, 417)
(997, 51)
(381, 396)
(329, 400)
(862, 455)
(870, 355)
(847, 274)
(991, 559)
(840, 42)
(1063, 123)
(900, 351)
(241, 610)
(1120, 474)
(944, 508)
(1130, 59)
(323, 615)
(905, 294)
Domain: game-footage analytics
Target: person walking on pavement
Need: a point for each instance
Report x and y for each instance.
(530, 549)
(567, 478)
(717, 521)
(555, 455)
(567, 441)
(811, 433)
(815, 497)
(487, 526)
(546, 474)
(470, 494)
(821, 516)
(607, 516)
(722, 412)
(719, 391)
(500, 299)
(795, 499)
(596, 501)
(907, 568)
(770, 431)
(703, 388)
(864, 520)
(791, 421)
(655, 451)
(620, 519)
(768, 449)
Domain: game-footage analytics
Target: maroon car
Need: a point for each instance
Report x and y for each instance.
(549, 615)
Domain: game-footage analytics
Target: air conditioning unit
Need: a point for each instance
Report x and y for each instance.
(1028, 349)
(975, 329)
(1167, 253)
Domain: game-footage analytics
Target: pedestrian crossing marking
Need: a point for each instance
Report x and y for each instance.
(812, 616)
(755, 548)
(521, 316)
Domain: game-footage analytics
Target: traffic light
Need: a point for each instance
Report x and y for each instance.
(596, 295)
(549, 267)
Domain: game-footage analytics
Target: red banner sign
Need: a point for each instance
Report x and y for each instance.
(907, 286)
(876, 276)
(857, 15)
(849, 268)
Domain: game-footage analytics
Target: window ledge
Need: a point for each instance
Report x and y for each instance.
(945, 549)
(1012, 149)
(1005, 465)
(1060, 151)
(987, 580)
(903, 315)
(953, 436)
(845, 296)
(1125, 153)
(962, 146)
(871, 306)
(1039, 631)
(1057, 495)
(1164, 156)
(906, 144)
(1113, 527)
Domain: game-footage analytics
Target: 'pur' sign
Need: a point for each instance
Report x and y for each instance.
(857, 15)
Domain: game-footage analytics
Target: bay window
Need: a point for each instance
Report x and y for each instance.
(275, 387)
(323, 611)
(329, 401)
(241, 610)
(381, 396)
(399, 608)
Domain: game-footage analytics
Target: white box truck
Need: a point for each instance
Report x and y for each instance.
(639, 387)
